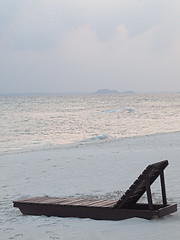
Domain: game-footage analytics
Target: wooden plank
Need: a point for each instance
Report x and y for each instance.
(54, 201)
(50, 200)
(83, 202)
(101, 204)
(163, 189)
(167, 210)
(87, 202)
(95, 202)
(64, 200)
(107, 204)
(149, 195)
(71, 201)
(46, 200)
(33, 200)
(58, 200)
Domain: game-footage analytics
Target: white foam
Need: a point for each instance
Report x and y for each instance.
(125, 109)
(97, 138)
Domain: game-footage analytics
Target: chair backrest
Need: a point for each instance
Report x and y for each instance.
(142, 184)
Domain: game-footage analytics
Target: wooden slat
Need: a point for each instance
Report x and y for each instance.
(163, 189)
(46, 200)
(58, 200)
(67, 200)
(34, 200)
(83, 202)
(42, 200)
(71, 201)
(109, 204)
(101, 204)
(53, 200)
(95, 202)
(149, 195)
(86, 202)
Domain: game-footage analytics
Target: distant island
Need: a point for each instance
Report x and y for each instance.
(108, 91)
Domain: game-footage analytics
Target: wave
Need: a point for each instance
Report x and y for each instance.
(125, 109)
(97, 138)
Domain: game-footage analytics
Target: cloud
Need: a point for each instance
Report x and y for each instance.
(123, 59)
(71, 45)
(41, 24)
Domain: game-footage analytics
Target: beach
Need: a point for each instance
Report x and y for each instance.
(99, 169)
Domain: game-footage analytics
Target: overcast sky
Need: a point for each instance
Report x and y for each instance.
(84, 45)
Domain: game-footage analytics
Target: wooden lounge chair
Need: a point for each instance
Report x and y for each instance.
(125, 207)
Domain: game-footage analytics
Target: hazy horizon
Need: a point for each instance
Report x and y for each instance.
(85, 93)
(51, 46)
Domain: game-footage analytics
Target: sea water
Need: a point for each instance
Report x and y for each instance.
(40, 122)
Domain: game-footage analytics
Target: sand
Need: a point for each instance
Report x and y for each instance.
(102, 169)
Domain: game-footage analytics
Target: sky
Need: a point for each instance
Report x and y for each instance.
(84, 45)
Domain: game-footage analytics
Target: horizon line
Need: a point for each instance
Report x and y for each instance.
(85, 93)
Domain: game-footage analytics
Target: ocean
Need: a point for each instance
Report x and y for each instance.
(31, 123)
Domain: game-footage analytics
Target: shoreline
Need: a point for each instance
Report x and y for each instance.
(88, 143)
